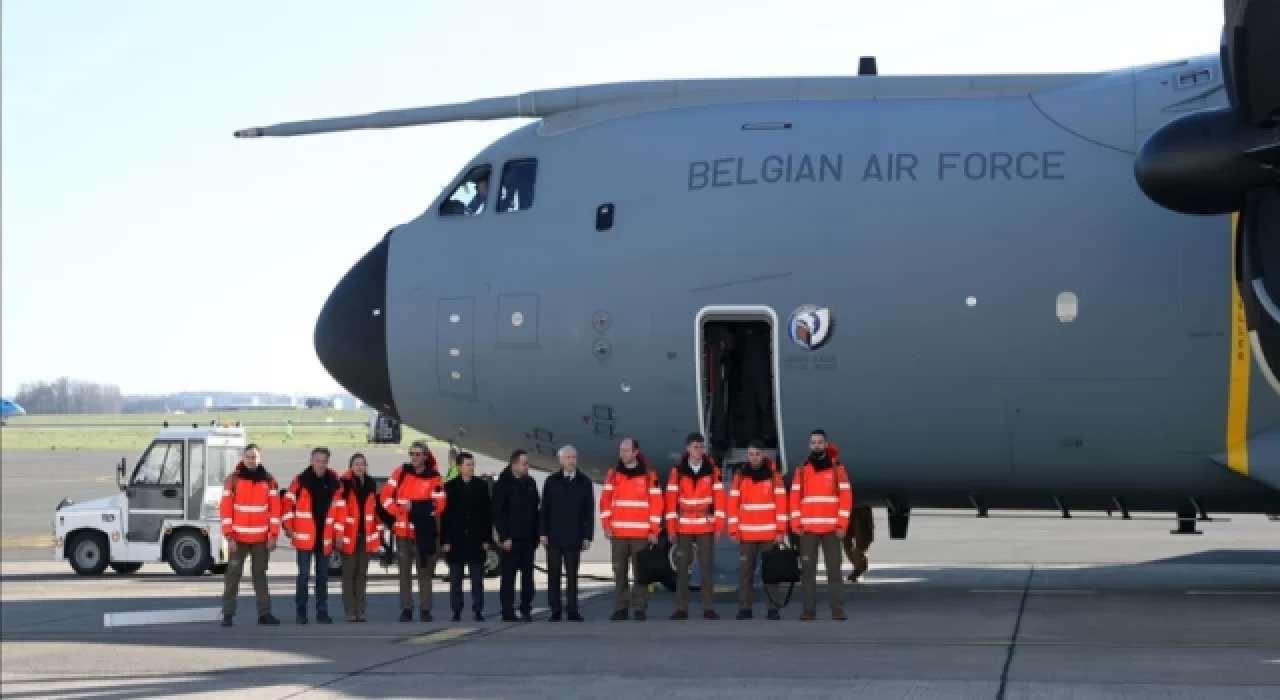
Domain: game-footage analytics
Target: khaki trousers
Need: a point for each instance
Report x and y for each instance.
(355, 580)
(625, 550)
(235, 570)
(830, 546)
(407, 554)
(684, 557)
(748, 554)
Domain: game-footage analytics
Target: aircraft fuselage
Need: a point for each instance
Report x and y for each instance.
(948, 238)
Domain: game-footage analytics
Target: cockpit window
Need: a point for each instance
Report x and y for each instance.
(469, 197)
(518, 179)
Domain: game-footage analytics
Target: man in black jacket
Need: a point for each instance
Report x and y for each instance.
(566, 526)
(515, 515)
(466, 534)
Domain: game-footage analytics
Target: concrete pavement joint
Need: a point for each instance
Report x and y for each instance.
(857, 641)
(1013, 640)
(475, 635)
(446, 644)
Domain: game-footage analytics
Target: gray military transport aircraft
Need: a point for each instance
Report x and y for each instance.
(992, 291)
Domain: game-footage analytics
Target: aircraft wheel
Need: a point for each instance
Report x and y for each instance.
(89, 553)
(126, 567)
(188, 553)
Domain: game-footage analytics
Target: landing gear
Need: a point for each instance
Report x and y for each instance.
(1186, 523)
(899, 518)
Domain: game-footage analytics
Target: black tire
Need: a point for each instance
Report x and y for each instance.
(335, 563)
(188, 553)
(126, 567)
(218, 569)
(89, 553)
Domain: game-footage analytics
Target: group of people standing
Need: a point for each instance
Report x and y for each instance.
(760, 512)
(456, 519)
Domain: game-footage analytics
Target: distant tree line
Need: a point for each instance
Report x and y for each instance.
(69, 396)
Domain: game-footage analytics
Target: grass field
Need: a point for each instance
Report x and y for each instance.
(250, 417)
(131, 433)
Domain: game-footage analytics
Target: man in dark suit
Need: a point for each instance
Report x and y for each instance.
(566, 527)
(466, 533)
(515, 516)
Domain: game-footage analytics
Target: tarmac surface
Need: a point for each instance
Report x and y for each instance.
(1018, 606)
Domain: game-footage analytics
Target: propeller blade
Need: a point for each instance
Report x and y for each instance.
(1268, 154)
(1250, 54)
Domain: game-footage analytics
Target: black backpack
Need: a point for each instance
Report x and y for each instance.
(652, 566)
(780, 565)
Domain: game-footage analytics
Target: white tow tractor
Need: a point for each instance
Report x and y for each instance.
(166, 511)
(382, 429)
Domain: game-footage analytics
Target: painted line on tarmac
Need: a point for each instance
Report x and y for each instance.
(28, 542)
(43, 480)
(447, 634)
(1035, 591)
(161, 617)
(1233, 592)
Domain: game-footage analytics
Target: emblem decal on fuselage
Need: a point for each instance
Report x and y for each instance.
(810, 327)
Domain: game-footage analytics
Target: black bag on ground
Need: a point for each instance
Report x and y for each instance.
(780, 565)
(651, 566)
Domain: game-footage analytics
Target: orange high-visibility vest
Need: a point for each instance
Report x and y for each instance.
(758, 507)
(250, 507)
(349, 524)
(406, 486)
(300, 522)
(631, 503)
(695, 503)
(821, 499)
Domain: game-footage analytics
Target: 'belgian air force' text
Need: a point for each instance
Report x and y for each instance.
(986, 166)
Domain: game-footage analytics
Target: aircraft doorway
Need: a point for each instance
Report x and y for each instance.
(738, 382)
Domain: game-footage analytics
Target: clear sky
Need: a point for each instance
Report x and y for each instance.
(144, 246)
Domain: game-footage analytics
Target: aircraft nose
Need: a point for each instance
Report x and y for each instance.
(351, 332)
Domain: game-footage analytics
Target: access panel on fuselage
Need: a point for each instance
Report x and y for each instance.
(455, 346)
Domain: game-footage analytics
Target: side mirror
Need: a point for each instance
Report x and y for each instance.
(120, 474)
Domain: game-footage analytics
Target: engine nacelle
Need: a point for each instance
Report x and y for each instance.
(1204, 162)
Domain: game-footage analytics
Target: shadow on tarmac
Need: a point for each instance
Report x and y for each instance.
(1217, 601)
